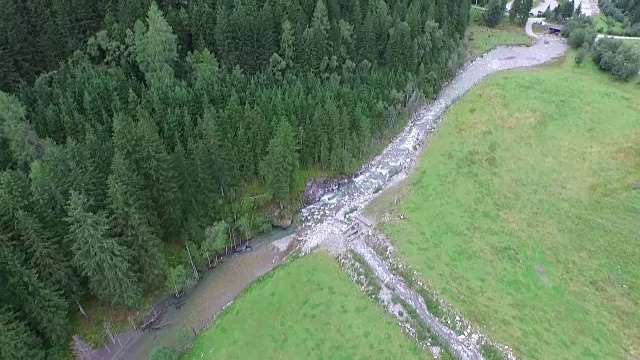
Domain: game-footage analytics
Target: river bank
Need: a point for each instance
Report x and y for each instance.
(196, 309)
(520, 212)
(334, 223)
(324, 222)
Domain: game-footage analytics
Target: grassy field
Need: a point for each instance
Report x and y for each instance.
(307, 309)
(601, 25)
(524, 212)
(481, 39)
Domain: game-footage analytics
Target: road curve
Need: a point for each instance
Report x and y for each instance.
(528, 28)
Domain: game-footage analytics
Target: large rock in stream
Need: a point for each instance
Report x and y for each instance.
(281, 218)
(316, 188)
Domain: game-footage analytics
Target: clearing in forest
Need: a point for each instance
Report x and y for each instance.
(306, 309)
(524, 212)
(480, 38)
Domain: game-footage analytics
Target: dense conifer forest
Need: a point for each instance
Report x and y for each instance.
(127, 125)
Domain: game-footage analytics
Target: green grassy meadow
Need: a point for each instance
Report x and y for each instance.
(524, 212)
(601, 25)
(306, 309)
(481, 39)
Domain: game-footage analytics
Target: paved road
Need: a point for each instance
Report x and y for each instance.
(528, 28)
(601, 36)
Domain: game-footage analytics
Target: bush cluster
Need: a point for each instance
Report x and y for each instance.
(617, 58)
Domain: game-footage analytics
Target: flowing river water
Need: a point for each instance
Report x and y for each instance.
(216, 289)
(330, 223)
(396, 160)
(325, 222)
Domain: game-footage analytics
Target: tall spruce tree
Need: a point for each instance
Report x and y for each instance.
(287, 39)
(45, 255)
(41, 303)
(24, 143)
(134, 217)
(399, 54)
(18, 341)
(515, 10)
(494, 13)
(155, 47)
(281, 163)
(524, 10)
(317, 46)
(98, 256)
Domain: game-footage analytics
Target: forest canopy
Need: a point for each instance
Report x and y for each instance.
(126, 125)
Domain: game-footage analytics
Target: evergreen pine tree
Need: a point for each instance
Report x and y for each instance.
(415, 19)
(356, 17)
(382, 23)
(345, 41)
(495, 11)
(17, 340)
(153, 164)
(316, 38)
(281, 163)
(23, 141)
(514, 11)
(265, 32)
(366, 38)
(524, 10)
(287, 39)
(10, 46)
(41, 304)
(398, 54)
(98, 256)
(134, 219)
(208, 78)
(155, 47)
(221, 34)
(44, 255)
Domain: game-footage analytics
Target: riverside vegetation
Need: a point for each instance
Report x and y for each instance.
(129, 129)
(617, 57)
(523, 212)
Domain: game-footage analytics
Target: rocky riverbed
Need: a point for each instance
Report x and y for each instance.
(334, 223)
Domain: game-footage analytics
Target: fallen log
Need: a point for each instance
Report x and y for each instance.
(156, 327)
(156, 315)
